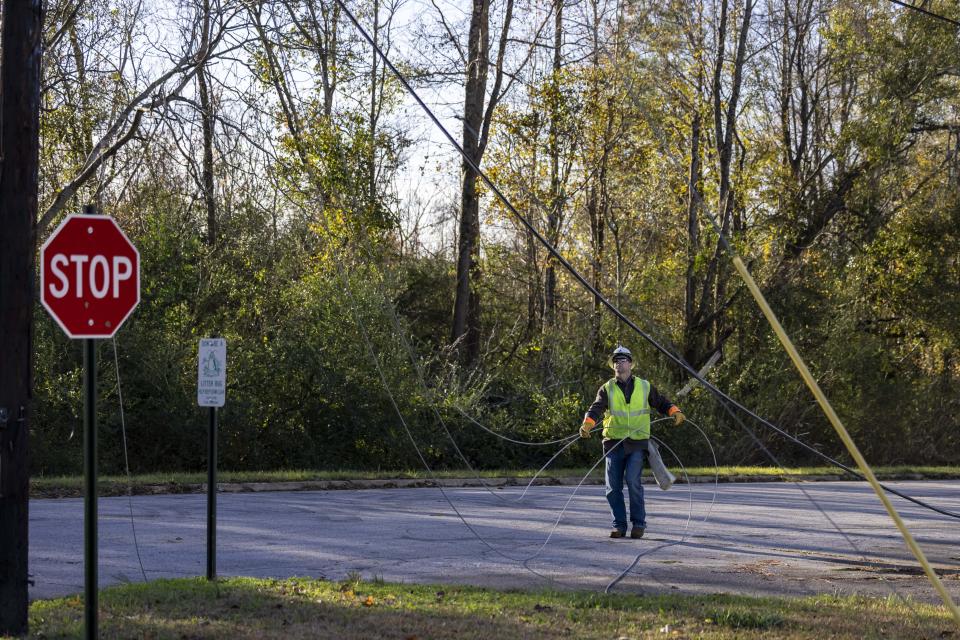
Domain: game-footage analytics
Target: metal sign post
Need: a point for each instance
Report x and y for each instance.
(212, 392)
(212, 496)
(90, 588)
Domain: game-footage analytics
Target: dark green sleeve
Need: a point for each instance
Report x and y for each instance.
(659, 402)
(595, 412)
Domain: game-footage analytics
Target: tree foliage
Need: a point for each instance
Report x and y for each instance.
(820, 136)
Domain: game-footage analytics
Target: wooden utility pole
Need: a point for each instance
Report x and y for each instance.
(19, 157)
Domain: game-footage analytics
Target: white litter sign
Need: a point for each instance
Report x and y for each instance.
(212, 372)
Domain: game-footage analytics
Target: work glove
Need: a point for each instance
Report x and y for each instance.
(678, 418)
(585, 430)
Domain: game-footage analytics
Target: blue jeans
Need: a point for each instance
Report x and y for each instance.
(622, 465)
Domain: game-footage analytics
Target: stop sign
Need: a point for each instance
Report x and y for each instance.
(89, 276)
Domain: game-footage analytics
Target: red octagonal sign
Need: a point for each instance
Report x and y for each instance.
(89, 276)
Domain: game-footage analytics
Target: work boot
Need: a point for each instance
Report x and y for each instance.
(618, 533)
(636, 532)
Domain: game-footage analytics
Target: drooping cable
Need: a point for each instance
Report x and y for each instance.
(398, 330)
(527, 443)
(126, 461)
(889, 585)
(573, 440)
(613, 583)
(837, 424)
(596, 293)
(926, 12)
(584, 479)
(773, 458)
(553, 251)
(689, 497)
(396, 407)
(372, 352)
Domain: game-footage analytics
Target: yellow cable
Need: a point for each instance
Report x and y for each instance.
(842, 432)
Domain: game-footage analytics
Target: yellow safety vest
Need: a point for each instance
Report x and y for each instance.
(623, 420)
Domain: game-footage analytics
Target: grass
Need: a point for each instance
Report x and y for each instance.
(178, 482)
(239, 608)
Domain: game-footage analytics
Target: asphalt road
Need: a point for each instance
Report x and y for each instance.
(758, 538)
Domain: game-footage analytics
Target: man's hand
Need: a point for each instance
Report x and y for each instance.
(678, 418)
(585, 429)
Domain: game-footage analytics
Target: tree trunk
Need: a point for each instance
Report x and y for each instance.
(705, 325)
(598, 206)
(85, 133)
(596, 264)
(374, 111)
(598, 200)
(206, 118)
(691, 349)
(534, 300)
(466, 306)
(556, 204)
(19, 148)
(209, 194)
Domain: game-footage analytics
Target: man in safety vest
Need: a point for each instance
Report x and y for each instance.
(627, 402)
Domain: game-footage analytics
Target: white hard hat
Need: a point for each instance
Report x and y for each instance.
(620, 353)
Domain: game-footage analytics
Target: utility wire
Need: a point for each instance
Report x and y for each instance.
(583, 480)
(396, 408)
(835, 421)
(526, 443)
(770, 455)
(570, 440)
(926, 12)
(553, 251)
(355, 309)
(589, 287)
(853, 545)
(613, 583)
(126, 461)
